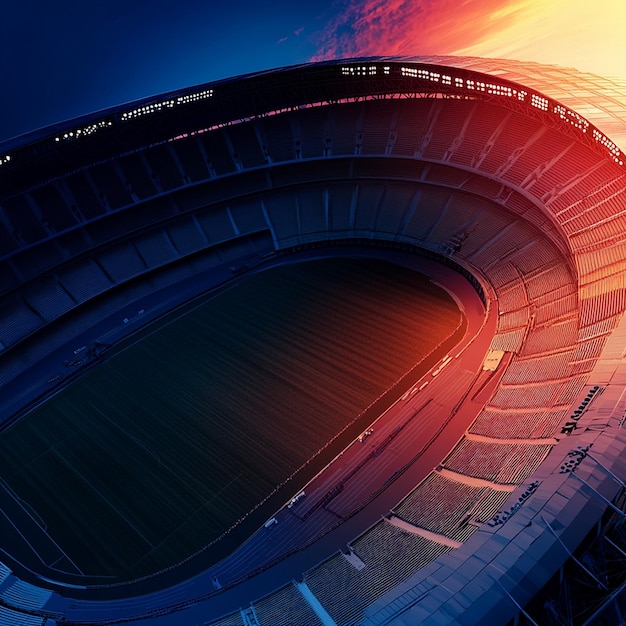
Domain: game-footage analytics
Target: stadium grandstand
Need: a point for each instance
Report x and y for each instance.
(504, 181)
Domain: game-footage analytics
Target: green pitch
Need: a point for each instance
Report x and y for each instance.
(157, 451)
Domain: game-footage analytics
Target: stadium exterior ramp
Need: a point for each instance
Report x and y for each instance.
(511, 173)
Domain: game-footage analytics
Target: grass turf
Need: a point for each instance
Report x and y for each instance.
(157, 451)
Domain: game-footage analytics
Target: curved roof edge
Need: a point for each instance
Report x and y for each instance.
(601, 100)
(569, 95)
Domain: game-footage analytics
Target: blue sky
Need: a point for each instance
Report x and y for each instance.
(64, 58)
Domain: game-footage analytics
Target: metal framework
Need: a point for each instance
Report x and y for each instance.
(64, 147)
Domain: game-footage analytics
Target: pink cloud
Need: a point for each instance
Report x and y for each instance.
(573, 33)
(298, 31)
(409, 27)
(281, 40)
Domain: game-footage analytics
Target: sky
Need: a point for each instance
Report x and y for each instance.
(66, 58)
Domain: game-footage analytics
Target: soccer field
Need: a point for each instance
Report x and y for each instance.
(157, 451)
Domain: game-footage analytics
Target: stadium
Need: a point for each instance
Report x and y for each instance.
(485, 487)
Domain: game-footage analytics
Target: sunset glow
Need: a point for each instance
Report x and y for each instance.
(571, 33)
(313, 313)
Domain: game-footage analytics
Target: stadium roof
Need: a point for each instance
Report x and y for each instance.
(553, 262)
(600, 100)
(579, 100)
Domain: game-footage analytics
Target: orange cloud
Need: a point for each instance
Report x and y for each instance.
(406, 27)
(575, 33)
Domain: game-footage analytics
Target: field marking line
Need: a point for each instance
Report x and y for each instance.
(35, 551)
(19, 532)
(50, 449)
(24, 505)
(188, 519)
(79, 475)
(9, 490)
(149, 451)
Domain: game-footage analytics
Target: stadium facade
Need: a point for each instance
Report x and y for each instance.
(512, 174)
